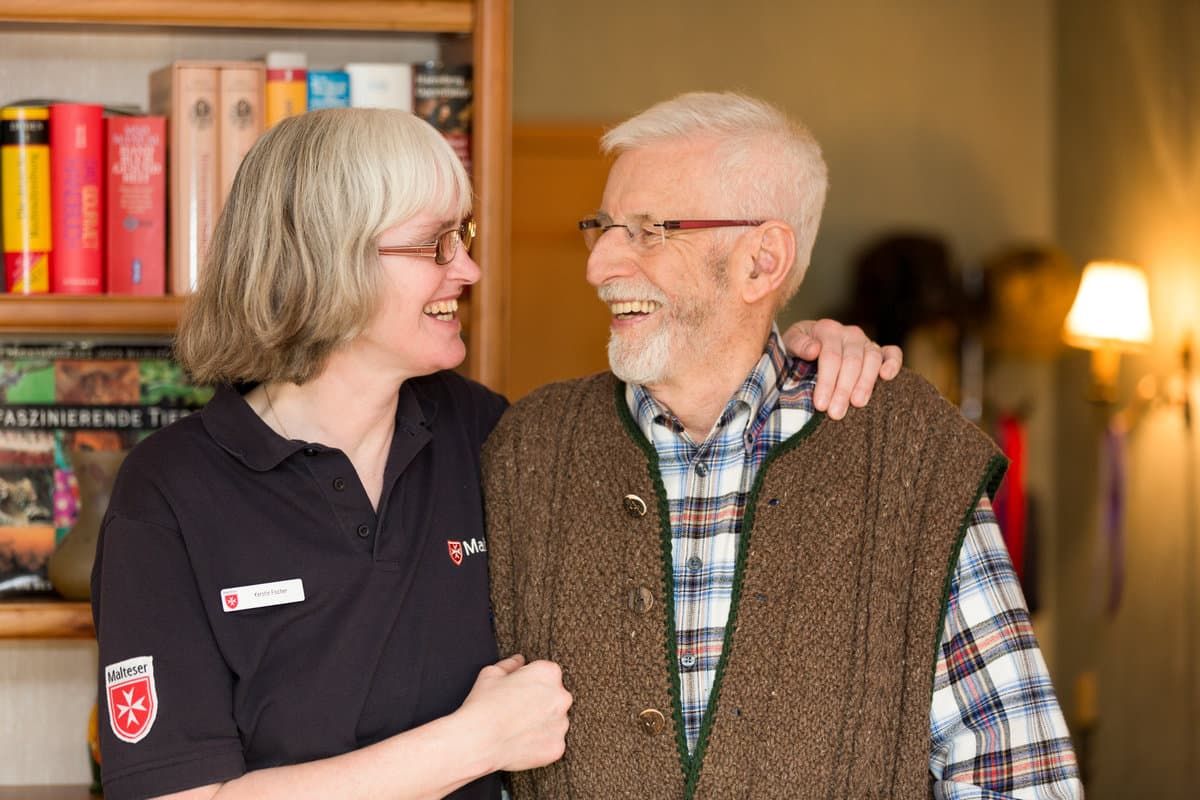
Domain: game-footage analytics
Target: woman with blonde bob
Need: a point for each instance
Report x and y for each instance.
(290, 591)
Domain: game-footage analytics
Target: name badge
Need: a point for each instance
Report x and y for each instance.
(259, 595)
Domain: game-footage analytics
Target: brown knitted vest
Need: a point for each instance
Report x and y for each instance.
(824, 689)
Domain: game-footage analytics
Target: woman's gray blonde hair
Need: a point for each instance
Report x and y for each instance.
(768, 166)
(292, 270)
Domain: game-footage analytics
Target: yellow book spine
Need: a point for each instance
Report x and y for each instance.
(25, 198)
(287, 94)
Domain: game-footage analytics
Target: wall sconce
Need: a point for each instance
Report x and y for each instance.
(1110, 316)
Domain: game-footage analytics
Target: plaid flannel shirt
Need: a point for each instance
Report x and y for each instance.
(995, 724)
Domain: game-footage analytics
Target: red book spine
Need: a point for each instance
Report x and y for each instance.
(76, 198)
(136, 185)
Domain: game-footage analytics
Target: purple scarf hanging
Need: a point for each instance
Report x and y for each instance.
(1112, 515)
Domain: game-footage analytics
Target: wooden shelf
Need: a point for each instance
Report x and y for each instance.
(46, 792)
(430, 16)
(45, 619)
(64, 314)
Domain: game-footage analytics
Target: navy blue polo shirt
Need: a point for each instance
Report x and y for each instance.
(253, 609)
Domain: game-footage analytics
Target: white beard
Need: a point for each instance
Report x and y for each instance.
(642, 362)
(680, 332)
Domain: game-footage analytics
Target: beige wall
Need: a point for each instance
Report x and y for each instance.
(1128, 180)
(47, 690)
(933, 113)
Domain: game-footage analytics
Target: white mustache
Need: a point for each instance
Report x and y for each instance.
(630, 290)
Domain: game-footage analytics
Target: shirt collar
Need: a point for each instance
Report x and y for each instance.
(752, 403)
(234, 425)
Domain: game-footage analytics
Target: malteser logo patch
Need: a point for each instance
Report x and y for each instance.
(132, 697)
(467, 547)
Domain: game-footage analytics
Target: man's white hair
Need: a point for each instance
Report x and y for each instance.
(768, 166)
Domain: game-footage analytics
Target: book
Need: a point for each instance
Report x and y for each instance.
(136, 201)
(287, 85)
(241, 117)
(60, 396)
(25, 198)
(380, 85)
(186, 93)
(328, 89)
(76, 198)
(442, 96)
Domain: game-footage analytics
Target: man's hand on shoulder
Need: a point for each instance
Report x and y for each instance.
(848, 363)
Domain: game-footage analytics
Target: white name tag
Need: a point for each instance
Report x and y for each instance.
(276, 593)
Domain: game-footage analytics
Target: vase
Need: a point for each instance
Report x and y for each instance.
(70, 566)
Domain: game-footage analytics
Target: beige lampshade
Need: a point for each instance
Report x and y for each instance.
(1111, 309)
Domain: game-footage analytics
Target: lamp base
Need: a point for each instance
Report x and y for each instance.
(1106, 363)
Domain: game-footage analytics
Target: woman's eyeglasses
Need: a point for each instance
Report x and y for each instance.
(443, 247)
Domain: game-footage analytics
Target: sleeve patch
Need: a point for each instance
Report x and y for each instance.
(132, 698)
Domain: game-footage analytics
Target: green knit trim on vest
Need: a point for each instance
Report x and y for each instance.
(714, 697)
(989, 483)
(664, 527)
(691, 763)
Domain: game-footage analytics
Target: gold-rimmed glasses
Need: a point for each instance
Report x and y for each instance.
(443, 247)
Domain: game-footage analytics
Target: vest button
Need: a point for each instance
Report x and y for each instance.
(339, 484)
(364, 531)
(641, 599)
(652, 721)
(634, 505)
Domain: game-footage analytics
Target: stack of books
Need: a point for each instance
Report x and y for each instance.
(93, 203)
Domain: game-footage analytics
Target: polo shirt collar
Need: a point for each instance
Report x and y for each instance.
(232, 424)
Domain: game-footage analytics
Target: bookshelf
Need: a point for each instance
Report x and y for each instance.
(475, 30)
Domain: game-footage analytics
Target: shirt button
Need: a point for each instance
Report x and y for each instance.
(634, 505)
(688, 661)
(339, 484)
(701, 469)
(695, 563)
(310, 451)
(652, 721)
(749, 440)
(364, 531)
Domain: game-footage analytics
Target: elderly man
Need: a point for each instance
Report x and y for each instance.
(746, 599)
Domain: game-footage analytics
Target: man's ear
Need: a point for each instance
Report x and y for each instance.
(768, 260)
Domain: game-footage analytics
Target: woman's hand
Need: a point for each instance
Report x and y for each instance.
(848, 363)
(524, 706)
(514, 718)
